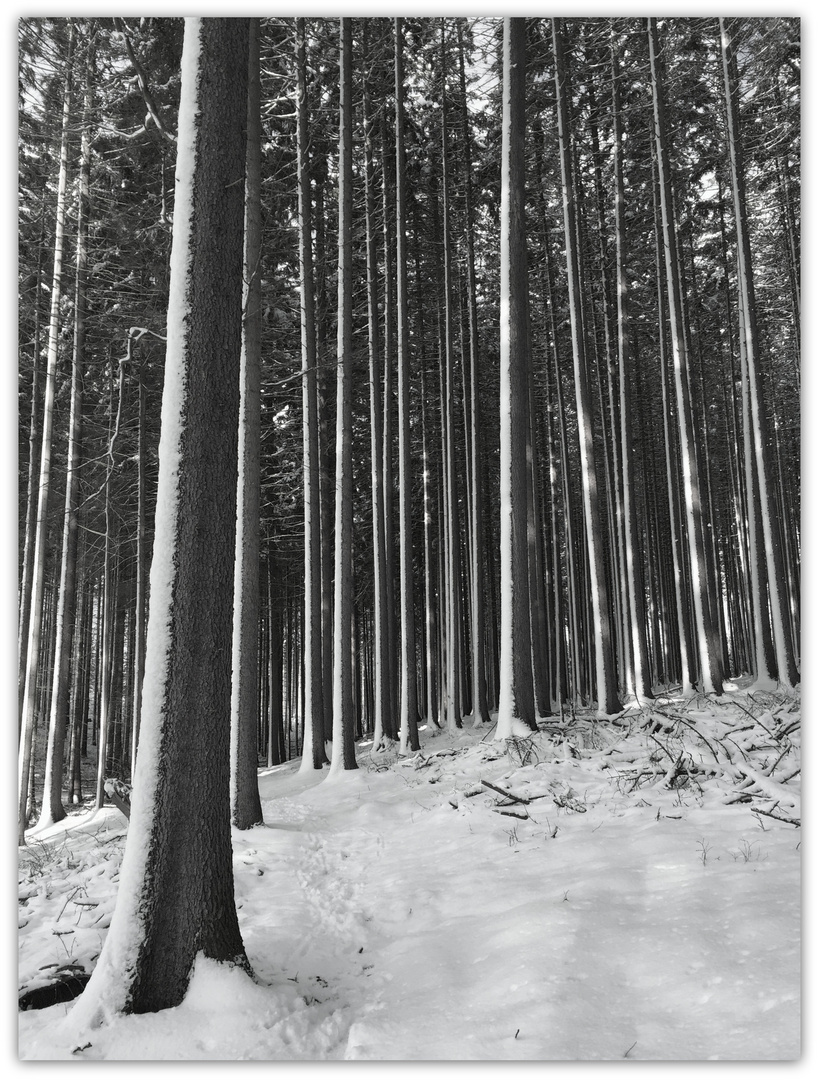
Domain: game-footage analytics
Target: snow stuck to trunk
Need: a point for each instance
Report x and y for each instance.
(105, 995)
(633, 898)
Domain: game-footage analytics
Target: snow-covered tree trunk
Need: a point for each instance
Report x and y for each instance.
(313, 756)
(710, 659)
(605, 671)
(408, 726)
(175, 898)
(516, 708)
(32, 657)
(777, 588)
(343, 717)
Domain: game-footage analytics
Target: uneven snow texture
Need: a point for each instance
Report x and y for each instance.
(636, 910)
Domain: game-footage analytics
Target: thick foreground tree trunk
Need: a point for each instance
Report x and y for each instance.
(176, 887)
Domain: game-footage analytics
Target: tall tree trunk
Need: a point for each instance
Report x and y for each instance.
(314, 756)
(452, 568)
(480, 705)
(516, 709)
(388, 213)
(176, 894)
(245, 804)
(343, 716)
(41, 535)
(381, 658)
(408, 729)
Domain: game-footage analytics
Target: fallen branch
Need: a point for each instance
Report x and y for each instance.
(505, 794)
(796, 822)
(512, 811)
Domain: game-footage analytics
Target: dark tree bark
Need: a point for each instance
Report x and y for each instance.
(516, 711)
(176, 887)
(245, 804)
(314, 756)
(343, 676)
(381, 657)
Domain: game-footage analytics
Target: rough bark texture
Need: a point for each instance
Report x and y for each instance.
(343, 718)
(188, 903)
(246, 806)
(480, 705)
(313, 756)
(408, 726)
(516, 687)
(381, 658)
(176, 897)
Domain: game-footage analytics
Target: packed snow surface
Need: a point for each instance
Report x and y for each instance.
(643, 904)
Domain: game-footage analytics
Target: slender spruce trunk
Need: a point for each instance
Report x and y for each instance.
(314, 756)
(32, 659)
(343, 715)
(516, 709)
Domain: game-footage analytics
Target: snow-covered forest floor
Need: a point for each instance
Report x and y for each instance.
(637, 897)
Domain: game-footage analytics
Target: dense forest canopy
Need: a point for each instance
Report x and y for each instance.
(656, 372)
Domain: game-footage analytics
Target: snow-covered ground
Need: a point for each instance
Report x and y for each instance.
(634, 909)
